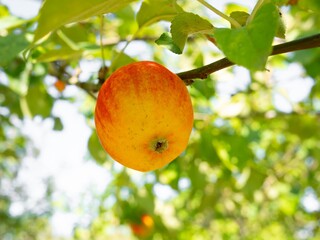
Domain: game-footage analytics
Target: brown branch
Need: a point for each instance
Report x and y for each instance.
(89, 87)
(203, 72)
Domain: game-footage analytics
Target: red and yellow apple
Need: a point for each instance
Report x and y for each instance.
(60, 85)
(143, 228)
(144, 116)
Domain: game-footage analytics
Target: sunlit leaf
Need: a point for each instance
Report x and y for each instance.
(10, 99)
(281, 31)
(39, 101)
(313, 5)
(10, 22)
(240, 16)
(185, 24)
(254, 183)
(166, 40)
(96, 149)
(11, 45)
(56, 13)
(4, 11)
(120, 59)
(59, 54)
(288, 204)
(152, 11)
(208, 151)
(250, 46)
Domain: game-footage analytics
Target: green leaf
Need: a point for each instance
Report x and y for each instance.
(152, 11)
(185, 24)
(208, 152)
(56, 13)
(127, 22)
(303, 126)
(76, 32)
(9, 22)
(59, 54)
(4, 11)
(240, 16)
(281, 31)
(39, 101)
(95, 148)
(58, 126)
(280, 2)
(250, 46)
(11, 45)
(166, 40)
(288, 204)
(120, 59)
(11, 100)
(254, 182)
(313, 5)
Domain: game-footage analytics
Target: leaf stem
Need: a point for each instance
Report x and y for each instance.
(254, 11)
(67, 40)
(101, 41)
(114, 60)
(221, 14)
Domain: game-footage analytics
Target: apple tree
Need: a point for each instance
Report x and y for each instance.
(251, 169)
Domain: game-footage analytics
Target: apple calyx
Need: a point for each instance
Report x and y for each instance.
(159, 145)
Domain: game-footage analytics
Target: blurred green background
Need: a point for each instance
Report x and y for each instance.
(250, 171)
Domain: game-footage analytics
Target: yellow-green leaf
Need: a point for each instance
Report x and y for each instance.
(185, 24)
(251, 45)
(59, 54)
(56, 13)
(152, 11)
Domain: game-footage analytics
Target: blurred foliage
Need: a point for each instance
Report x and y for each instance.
(249, 164)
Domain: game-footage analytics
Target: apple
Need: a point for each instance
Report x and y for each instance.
(144, 116)
(143, 228)
(60, 85)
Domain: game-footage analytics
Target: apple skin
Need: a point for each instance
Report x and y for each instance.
(144, 116)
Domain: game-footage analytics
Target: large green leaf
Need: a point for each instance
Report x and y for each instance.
(185, 24)
(11, 45)
(55, 13)
(152, 11)
(250, 46)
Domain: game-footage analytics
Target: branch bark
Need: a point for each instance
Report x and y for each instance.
(203, 72)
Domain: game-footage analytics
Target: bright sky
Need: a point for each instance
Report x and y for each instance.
(62, 154)
(62, 158)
